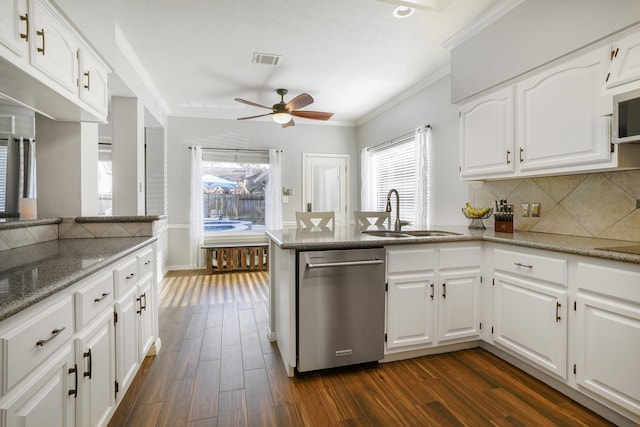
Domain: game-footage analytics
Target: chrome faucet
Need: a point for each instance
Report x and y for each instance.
(398, 223)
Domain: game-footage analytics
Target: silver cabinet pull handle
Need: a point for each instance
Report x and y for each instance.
(523, 265)
(54, 333)
(88, 76)
(103, 296)
(508, 154)
(444, 290)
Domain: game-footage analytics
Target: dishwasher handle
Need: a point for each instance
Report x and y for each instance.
(344, 263)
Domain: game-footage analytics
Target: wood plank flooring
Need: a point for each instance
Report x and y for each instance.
(216, 368)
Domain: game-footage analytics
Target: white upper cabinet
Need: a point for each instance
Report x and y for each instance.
(14, 28)
(47, 64)
(625, 62)
(558, 121)
(54, 49)
(487, 135)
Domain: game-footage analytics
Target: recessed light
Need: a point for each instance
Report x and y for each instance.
(403, 12)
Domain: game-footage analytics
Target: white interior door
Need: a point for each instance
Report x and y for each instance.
(325, 184)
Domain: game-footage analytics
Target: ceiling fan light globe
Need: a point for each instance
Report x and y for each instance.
(282, 118)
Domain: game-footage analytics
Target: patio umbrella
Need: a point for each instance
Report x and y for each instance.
(216, 181)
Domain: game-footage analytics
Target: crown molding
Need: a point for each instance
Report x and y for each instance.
(480, 23)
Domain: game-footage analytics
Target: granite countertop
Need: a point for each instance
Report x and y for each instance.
(352, 237)
(32, 273)
(12, 223)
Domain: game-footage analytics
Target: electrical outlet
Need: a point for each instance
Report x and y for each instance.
(535, 209)
(525, 209)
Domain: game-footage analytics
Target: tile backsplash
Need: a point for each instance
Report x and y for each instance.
(594, 205)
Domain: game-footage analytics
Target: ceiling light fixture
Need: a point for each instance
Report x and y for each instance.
(282, 118)
(403, 12)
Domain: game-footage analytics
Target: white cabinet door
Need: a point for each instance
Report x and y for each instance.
(558, 118)
(53, 47)
(625, 61)
(608, 345)
(411, 309)
(95, 355)
(13, 28)
(530, 319)
(94, 89)
(51, 398)
(487, 135)
(459, 305)
(126, 340)
(144, 310)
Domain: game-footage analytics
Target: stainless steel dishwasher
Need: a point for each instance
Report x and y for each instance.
(340, 310)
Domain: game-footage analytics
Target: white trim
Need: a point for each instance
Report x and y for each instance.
(130, 54)
(479, 24)
(403, 96)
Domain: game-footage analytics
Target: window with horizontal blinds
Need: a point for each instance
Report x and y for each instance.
(394, 166)
(3, 175)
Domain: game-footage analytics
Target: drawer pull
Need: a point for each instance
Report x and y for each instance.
(558, 305)
(432, 291)
(523, 265)
(444, 290)
(87, 354)
(130, 276)
(54, 333)
(147, 262)
(104, 295)
(41, 49)
(74, 392)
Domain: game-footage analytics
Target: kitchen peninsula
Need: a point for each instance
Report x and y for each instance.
(537, 300)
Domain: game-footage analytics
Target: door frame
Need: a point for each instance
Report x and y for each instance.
(344, 182)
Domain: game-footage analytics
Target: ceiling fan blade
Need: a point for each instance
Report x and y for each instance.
(289, 123)
(244, 101)
(315, 115)
(253, 117)
(299, 101)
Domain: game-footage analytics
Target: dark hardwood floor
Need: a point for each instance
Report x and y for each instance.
(216, 368)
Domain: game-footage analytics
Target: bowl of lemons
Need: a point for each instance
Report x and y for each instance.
(476, 215)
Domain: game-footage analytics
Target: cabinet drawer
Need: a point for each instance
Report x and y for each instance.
(33, 341)
(534, 266)
(145, 262)
(452, 257)
(125, 276)
(614, 282)
(410, 258)
(93, 298)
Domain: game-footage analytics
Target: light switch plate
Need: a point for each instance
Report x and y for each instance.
(525, 209)
(535, 209)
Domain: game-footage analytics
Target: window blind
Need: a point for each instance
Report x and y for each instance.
(3, 175)
(394, 166)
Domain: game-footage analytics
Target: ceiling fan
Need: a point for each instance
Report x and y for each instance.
(282, 112)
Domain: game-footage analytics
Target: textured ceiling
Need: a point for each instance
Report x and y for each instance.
(352, 56)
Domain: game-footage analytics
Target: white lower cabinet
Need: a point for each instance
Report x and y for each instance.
(63, 358)
(433, 295)
(530, 306)
(607, 341)
(126, 340)
(46, 398)
(95, 355)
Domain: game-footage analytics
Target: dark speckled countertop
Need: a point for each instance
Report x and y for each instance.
(352, 237)
(32, 273)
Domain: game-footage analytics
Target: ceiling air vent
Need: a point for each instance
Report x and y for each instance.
(266, 58)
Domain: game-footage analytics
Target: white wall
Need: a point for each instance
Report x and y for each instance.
(185, 132)
(532, 34)
(431, 105)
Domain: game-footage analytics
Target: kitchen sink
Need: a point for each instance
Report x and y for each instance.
(410, 233)
(386, 233)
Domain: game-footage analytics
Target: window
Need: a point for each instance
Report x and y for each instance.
(105, 180)
(393, 165)
(234, 186)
